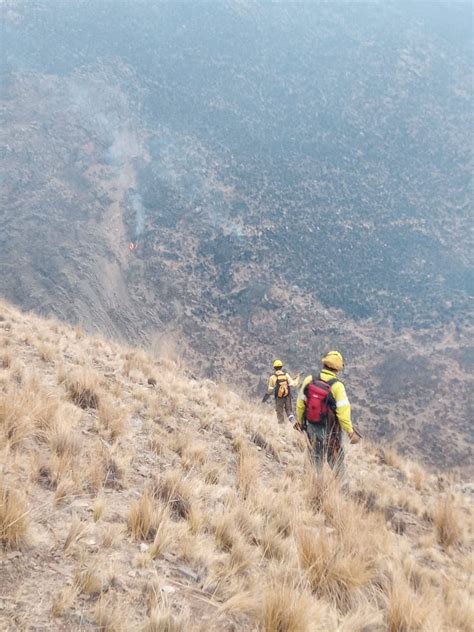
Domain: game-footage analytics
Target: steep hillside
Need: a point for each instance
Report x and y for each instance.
(136, 497)
(295, 176)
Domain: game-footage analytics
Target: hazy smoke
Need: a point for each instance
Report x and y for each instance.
(124, 148)
(137, 205)
(104, 109)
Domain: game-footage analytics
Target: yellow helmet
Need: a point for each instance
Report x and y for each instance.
(334, 360)
(277, 364)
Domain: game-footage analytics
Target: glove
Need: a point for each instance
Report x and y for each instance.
(353, 438)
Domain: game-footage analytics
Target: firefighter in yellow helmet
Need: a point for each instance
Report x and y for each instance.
(280, 384)
(323, 411)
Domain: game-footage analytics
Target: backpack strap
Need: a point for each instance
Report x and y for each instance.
(332, 401)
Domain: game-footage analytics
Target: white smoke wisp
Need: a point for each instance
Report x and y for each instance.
(140, 214)
(124, 147)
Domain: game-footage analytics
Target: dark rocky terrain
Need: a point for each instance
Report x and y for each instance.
(295, 176)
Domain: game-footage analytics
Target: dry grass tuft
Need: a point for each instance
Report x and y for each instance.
(322, 489)
(174, 490)
(406, 611)
(107, 468)
(141, 519)
(389, 456)
(194, 454)
(157, 442)
(261, 442)
(212, 474)
(148, 519)
(336, 569)
(16, 406)
(64, 600)
(447, 522)
(272, 542)
(111, 418)
(6, 359)
(66, 488)
(77, 531)
(226, 531)
(49, 473)
(285, 609)
(111, 535)
(418, 476)
(248, 471)
(82, 388)
(62, 439)
(14, 521)
(163, 536)
(109, 615)
(46, 352)
(90, 581)
(136, 361)
(162, 619)
(98, 508)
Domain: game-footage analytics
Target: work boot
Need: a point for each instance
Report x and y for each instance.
(291, 419)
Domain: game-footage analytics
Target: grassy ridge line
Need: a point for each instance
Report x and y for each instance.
(184, 506)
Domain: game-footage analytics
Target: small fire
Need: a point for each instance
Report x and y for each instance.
(132, 246)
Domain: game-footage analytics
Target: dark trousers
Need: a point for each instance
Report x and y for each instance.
(326, 446)
(282, 406)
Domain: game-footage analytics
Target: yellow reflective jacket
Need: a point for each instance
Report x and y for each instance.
(338, 390)
(273, 380)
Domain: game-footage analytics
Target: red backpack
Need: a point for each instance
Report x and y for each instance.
(318, 401)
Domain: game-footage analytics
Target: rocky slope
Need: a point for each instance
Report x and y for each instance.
(133, 496)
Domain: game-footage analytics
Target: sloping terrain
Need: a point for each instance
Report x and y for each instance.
(297, 177)
(134, 496)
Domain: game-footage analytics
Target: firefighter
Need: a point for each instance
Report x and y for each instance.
(323, 411)
(280, 384)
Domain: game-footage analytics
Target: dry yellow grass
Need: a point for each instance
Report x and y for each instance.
(83, 388)
(447, 522)
(407, 610)
(390, 457)
(143, 519)
(111, 418)
(14, 519)
(98, 508)
(286, 608)
(64, 600)
(6, 359)
(77, 531)
(90, 581)
(46, 352)
(163, 620)
(213, 515)
(248, 471)
(110, 615)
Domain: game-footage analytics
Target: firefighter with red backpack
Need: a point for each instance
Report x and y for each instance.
(324, 412)
(280, 384)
